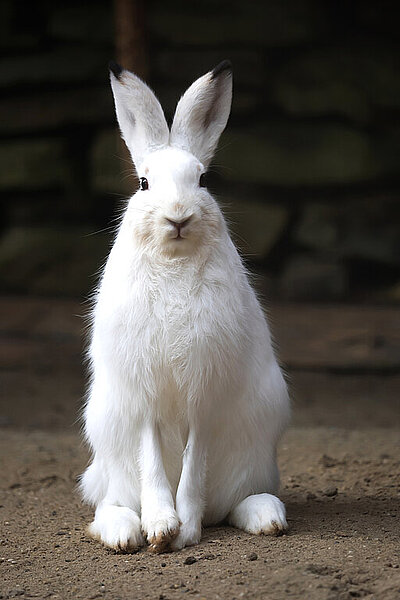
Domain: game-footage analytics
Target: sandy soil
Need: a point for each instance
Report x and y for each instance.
(342, 493)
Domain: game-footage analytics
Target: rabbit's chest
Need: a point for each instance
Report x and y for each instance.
(175, 331)
(181, 326)
(176, 326)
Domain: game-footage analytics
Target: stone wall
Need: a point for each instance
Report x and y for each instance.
(307, 171)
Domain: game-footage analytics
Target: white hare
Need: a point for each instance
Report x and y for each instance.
(187, 401)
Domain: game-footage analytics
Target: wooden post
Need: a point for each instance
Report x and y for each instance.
(130, 36)
(131, 52)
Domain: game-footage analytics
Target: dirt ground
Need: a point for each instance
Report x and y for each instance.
(341, 489)
(340, 465)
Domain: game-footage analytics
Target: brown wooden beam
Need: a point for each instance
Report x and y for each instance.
(130, 36)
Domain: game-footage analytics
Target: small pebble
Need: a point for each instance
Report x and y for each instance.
(328, 461)
(330, 491)
(252, 556)
(190, 560)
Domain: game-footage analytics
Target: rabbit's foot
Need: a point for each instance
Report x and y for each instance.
(117, 527)
(189, 535)
(160, 529)
(260, 514)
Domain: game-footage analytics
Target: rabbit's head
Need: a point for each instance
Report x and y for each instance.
(172, 212)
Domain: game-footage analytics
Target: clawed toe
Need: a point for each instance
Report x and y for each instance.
(117, 528)
(161, 531)
(162, 541)
(261, 514)
(275, 529)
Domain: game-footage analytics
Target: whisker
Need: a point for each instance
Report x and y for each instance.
(111, 228)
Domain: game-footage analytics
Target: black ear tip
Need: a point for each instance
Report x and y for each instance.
(115, 69)
(225, 65)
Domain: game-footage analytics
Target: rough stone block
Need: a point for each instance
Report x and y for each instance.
(297, 153)
(56, 261)
(255, 226)
(259, 23)
(56, 110)
(347, 80)
(310, 278)
(66, 64)
(353, 229)
(319, 98)
(33, 164)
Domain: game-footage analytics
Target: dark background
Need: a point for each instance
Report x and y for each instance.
(307, 171)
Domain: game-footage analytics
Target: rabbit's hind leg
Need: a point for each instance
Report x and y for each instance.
(260, 514)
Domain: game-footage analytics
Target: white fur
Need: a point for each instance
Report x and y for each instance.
(260, 513)
(187, 401)
(202, 114)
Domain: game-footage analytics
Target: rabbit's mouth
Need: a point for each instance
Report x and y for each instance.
(180, 244)
(178, 225)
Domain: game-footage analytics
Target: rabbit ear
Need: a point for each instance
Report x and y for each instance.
(139, 113)
(202, 113)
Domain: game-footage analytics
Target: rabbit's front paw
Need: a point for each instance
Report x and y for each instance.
(117, 527)
(160, 527)
(260, 514)
(189, 535)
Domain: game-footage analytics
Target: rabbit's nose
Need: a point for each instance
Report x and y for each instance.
(178, 224)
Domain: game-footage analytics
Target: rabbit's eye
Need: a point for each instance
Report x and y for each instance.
(144, 184)
(202, 180)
